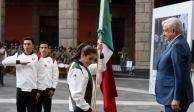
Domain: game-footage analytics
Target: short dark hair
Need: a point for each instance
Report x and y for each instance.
(44, 42)
(29, 38)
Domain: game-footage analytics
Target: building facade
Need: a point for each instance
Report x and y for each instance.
(69, 22)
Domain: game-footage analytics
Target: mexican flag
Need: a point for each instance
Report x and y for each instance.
(107, 82)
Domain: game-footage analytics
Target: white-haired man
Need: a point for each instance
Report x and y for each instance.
(173, 83)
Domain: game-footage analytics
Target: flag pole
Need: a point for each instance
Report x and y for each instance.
(100, 27)
(101, 16)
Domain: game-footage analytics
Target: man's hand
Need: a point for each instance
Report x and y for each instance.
(175, 105)
(51, 93)
(93, 110)
(99, 46)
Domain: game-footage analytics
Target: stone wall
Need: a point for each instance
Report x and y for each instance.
(143, 33)
(68, 22)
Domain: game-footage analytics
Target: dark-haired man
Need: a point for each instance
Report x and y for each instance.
(48, 74)
(26, 63)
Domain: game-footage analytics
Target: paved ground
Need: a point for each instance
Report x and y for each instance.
(133, 96)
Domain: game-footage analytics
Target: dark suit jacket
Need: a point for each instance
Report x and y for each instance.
(173, 73)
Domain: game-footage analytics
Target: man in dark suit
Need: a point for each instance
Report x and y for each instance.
(173, 82)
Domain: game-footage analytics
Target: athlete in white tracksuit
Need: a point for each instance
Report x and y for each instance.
(80, 79)
(26, 76)
(48, 75)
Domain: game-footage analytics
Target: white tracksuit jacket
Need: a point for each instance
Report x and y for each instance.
(26, 75)
(78, 80)
(48, 73)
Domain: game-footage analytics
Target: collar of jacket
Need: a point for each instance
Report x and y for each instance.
(28, 54)
(77, 61)
(45, 56)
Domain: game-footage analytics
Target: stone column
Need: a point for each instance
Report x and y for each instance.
(2, 20)
(68, 22)
(143, 33)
